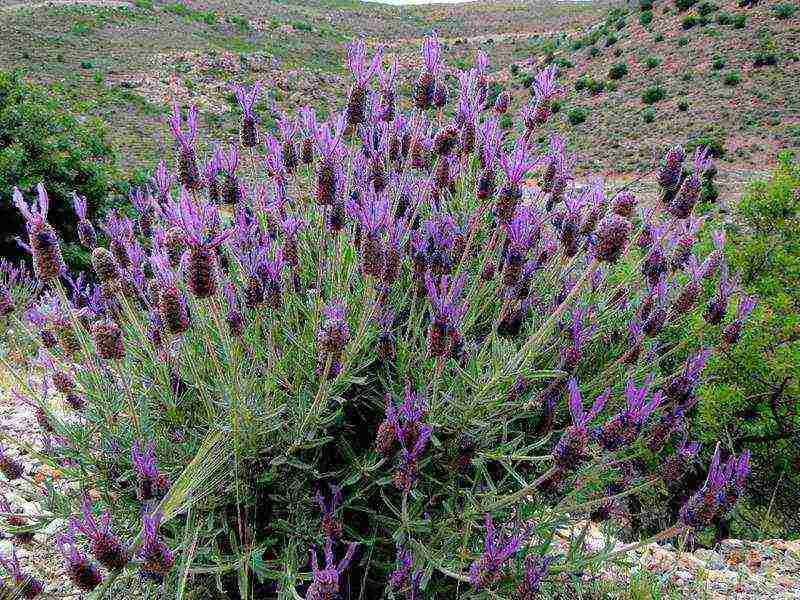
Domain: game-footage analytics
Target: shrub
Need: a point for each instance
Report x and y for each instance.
(784, 11)
(649, 114)
(611, 40)
(749, 399)
(683, 41)
(724, 18)
(739, 21)
(589, 84)
(684, 4)
(658, 38)
(618, 71)
(646, 18)
(718, 64)
(732, 79)
(706, 8)
(646, 5)
(766, 54)
(577, 115)
(651, 62)
(689, 21)
(594, 51)
(344, 375)
(714, 145)
(43, 142)
(654, 94)
(683, 106)
(611, 86)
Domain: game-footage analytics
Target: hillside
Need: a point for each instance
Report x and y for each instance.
(125, 62)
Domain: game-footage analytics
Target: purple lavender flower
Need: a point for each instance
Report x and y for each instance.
(16, 520)
(521, 233)
(681, 388)
(669, 175)
(86, 232)
(426, 82)
(186, 158)
(172, 307)
(675, 466)
(325, 584)
(691, 291)
(388, 96)
(497, 550)
(570, 222)
(718, 305)
(211, 170)
(400, 578)
(372, 213)
(624, 427)
(448, 311)
(27, 586)
(329, 145)
(407, 472)
(570, 451)
(362, 71)
(719, 493)
(80, 570)
(334, 334)
(544, 90)
(198, 221)
(713, 261)
(469, 103)
(683, 203)
(150, 482)
(289, 130)
(535, 570)
(502, 102)
(248, 131)
(162, 182)
(106, 547)
(156, 558)
(733, 331)
(578, 333)
(684, 241)
(515, 166)
(654, 309)
(331, 525)
(234, 318)
(119, 229)
(43, 242)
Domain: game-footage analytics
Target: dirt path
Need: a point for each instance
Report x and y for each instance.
(54, 3)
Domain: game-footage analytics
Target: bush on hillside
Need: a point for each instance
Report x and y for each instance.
(618, 71)
(654, 94)
(706, 8)
(714, 145)
(646, 18)
(684, 4)
(784, 11)
(689, 21)
(649, 114)
(412, 371)
(577, 115)
(751, 397)
(718, 64)
(645, 5)
(41, 142)
(739, 21)
(732, 79)
(651, 62)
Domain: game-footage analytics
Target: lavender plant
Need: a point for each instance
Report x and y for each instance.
(369, 341)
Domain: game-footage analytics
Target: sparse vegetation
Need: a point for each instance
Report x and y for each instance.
(733, 78)
(577, 115)
(654, 94)
(618, 71)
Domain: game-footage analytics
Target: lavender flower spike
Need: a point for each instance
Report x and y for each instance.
(681, 389)
(86, 232)
(733, 331)
(150, 482)
(362, 71)
(331, 526)
(25, 585)
(326, 581)
(719, 493)
(247, 99)
(156, 558)
(498, 549)
(569, 452)
(44, 246)
(188, 171)
(106, 547)
(516, 165)
(425, 85)
(81, 571)
(625, 426)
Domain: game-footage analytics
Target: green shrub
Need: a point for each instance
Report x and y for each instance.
(706, 8)
(752, 400)
(683, 106)
(718, 64)
(563, 63)
(651, 62)
(685, 4)
(687, 76)
(713, 145)
(688, 21)
(301, 26)
(143, 4)
(766, 54)
(784, 11)
(724, 18)
(732, 79)
(43, 142)
(618, 71)
(646, 18)
(589, 84)
(611, 86)
(649, 114)
(654, 94)
(683, 41)
(594, 51)
(739, 21)
(645, 5)
(611, 40)
(577, 115)
(659, 38)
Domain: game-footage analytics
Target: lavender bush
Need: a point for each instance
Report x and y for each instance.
(391, 352)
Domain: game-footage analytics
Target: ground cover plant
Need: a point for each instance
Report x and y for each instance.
(365, 355)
